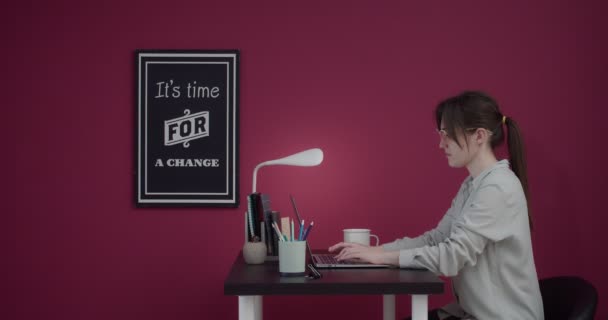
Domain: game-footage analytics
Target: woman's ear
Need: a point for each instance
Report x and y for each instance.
(481, 136)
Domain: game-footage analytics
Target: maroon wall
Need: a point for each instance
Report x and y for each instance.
(359, 80)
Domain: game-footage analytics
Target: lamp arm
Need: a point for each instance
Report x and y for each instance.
(255, 174)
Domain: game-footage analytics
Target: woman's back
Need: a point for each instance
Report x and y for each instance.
(501, 283)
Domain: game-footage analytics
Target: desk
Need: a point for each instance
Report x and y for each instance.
(251, 282)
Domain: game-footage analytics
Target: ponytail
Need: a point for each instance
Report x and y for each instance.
(517, 158)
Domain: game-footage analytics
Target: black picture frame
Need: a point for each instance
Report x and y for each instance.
(187, 151)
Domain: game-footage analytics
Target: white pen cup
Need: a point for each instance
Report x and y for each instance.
(292, 258)
(361, 236)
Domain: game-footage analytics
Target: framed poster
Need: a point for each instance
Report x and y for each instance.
(187, 128)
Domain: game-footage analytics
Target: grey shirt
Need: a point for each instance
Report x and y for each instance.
(483, 242)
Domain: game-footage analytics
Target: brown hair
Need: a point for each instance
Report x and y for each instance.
(475, 109)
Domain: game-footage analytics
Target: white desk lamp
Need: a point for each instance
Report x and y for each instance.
(306, 158)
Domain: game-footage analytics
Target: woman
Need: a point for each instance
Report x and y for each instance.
(483, 241)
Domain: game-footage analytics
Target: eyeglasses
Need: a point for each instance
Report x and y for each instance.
(444, 134)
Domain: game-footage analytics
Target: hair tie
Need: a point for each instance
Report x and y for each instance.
(504, 119)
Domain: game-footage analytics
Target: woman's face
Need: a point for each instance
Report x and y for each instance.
(458, 157)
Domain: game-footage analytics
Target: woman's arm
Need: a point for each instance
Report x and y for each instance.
(486, 218)
(429, 238)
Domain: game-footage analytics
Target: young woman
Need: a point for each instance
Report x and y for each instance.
(483, 241)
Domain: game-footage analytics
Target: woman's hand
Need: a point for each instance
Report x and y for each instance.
(355, 251)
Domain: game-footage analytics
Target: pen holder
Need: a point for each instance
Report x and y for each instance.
(292, 258)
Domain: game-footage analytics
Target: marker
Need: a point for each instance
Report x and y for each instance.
(308, 230)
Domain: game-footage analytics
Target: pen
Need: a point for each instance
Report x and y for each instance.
(295, 209)
(301, 230)
(308, 230)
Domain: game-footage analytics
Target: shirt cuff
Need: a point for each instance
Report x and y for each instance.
(391, 246)
(406, 259)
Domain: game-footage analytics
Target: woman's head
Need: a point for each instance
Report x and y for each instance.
(466, 122)
(467, 111)
(472, 121)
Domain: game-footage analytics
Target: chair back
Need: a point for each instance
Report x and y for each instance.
(568, 298)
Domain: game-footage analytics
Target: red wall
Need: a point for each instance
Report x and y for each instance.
(359, 80)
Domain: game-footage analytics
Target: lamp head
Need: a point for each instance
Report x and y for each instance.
(307, 158)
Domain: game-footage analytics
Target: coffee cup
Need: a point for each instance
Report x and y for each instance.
(360, 236)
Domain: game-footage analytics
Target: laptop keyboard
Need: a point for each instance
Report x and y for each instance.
(329, 259)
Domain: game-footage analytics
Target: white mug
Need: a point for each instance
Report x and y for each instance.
(359, 236)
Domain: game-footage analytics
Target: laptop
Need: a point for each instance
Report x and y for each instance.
(328, 260)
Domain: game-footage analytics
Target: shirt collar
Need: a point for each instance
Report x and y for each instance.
(504, 163)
